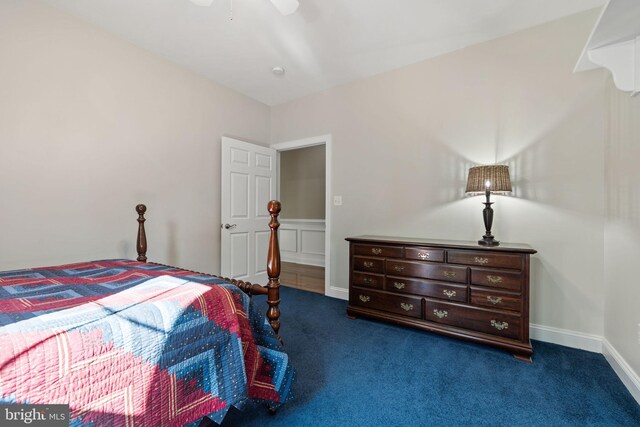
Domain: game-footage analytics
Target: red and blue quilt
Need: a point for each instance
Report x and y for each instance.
(126, 343)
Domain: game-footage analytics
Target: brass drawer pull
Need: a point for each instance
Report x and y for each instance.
(423, 255)
(406, 307)
(365, 298)
(398, 267)
(368, 280)
(499, 325)
(449, 293)
(494, 300)
(450, 274)
(494, 279)
(480, 260)
(368, 264)
(398, 285)
(440, 313)
(376, 251)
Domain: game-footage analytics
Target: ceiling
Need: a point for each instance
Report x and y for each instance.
(324, 44)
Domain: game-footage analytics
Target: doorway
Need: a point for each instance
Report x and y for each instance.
(303, 170)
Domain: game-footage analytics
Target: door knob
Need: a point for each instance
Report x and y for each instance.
(229, 226)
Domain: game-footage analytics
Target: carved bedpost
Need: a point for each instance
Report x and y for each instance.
(141, 244)
(273, 268)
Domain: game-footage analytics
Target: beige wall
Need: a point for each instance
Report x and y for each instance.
(91, 125)
(302, 183)
(622, 230)
(403, 140)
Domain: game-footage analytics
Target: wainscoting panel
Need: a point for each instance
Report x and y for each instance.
(302, 241)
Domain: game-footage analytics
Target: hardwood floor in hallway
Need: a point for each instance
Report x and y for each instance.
(300, 276)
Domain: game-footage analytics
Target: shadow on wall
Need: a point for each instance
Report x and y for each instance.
(125, 249)
(172, 246)
(564, 166)
(623, 151)
(555, 162)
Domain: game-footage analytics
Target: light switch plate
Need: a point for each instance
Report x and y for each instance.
(337, 200)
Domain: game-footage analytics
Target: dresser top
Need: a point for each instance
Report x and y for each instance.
(456, 244)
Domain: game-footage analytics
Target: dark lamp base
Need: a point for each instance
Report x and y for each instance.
(487, 215)
(488, 242)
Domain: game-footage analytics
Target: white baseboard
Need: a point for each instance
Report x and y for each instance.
(627, 375)
(335, 292)
(580, 340)
(316, 261)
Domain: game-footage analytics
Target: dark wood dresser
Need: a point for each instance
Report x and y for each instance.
(454, 288)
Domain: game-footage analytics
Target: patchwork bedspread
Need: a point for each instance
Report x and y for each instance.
(135, 344)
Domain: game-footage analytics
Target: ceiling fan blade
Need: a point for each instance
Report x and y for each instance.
(286, 7)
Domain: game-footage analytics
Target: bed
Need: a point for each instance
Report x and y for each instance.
(134, 343)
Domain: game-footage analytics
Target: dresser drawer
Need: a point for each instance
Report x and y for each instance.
(448, 273)
(496, 299)
(484, 259)
(368, 280)
(447, 291)
(369, 265)
(378, 250)
(497, 278)
(399, 304)
(424, 254)
(498, 323)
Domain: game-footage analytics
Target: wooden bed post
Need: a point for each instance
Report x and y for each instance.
(141, 243)
(273, 269)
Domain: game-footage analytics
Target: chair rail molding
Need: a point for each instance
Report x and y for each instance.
(614, 44)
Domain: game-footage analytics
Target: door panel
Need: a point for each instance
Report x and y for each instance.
(264, 162)
(239, 255)
(262, 247)
(240, 191)
(239, 157)
(263, 195)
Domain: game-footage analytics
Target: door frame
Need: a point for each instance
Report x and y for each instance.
(325, 140)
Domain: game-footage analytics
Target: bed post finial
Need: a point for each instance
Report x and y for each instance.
(273, 268)
(141, 243)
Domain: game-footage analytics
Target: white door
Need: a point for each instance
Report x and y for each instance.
(248, 183)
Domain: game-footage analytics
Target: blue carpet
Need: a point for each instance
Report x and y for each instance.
(368, 373)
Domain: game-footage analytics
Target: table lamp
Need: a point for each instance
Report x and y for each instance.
(487, 179)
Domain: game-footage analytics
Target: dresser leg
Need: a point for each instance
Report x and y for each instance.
(521, 358)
